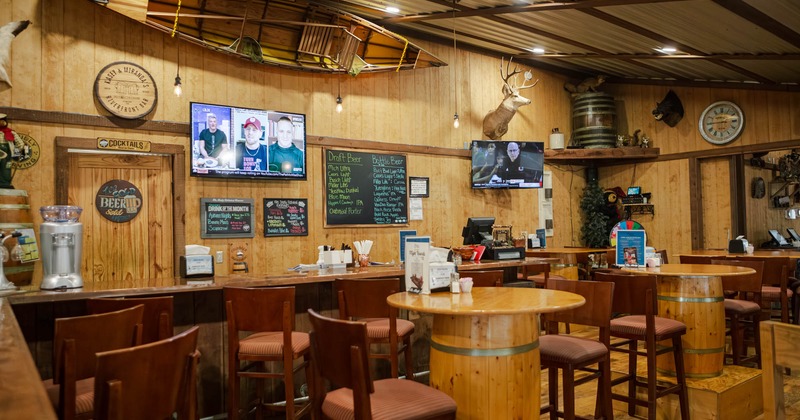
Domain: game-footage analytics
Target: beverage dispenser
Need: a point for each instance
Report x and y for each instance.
(61, 239)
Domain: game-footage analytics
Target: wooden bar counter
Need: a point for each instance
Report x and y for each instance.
(197, 302)
(485, 346)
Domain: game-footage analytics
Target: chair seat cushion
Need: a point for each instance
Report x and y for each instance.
(378, 328)
(84, 395)
(556, 348)
(739, 306)
(271, 344)
(392, 399)
(636, 325)
(773, 293)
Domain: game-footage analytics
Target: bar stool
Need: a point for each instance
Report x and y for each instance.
(574, 353)
(157, 318)
(635, 294)
(744, 311)
(775, 284)
(340, 357)
(75, 344)
(365, 299)
(484, 278)
(268, 314)
(152, 381)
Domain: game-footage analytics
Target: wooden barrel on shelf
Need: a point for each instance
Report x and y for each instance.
(15, 214)
(594, 121)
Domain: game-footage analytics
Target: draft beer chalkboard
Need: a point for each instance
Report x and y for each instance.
(227, 218)
(365, 189)
(285, 217)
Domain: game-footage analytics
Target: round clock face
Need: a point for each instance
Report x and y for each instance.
(126, 90)
(721, 122)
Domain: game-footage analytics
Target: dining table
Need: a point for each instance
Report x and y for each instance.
(485, 346)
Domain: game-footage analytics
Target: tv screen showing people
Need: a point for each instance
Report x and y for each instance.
(507, 164)
(247, 143)
(477, 230)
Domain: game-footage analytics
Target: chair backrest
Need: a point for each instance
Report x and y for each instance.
(776, 269)
(365, 298)
(339, 351)
(484, 278)
(634, 294)
(780, 350)
(663, 254)
(595, 312)
(149, 381)
(750, 284)
(76, 340)
(259, 309)
(696, 259)
(157, 318)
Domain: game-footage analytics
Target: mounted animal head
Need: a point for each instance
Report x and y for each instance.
(669, 110)
(7, 34)
(495, 124)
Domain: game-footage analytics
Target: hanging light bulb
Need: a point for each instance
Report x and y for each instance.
(455, 121)
(338, 104)
(178, 87)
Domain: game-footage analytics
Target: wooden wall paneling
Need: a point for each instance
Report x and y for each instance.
(715, 179)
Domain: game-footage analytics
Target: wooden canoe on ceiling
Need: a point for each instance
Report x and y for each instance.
(291, 34)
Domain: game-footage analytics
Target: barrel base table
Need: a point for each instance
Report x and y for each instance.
(485, 347)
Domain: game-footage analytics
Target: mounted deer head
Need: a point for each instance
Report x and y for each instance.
(495, 123)
(7, 34)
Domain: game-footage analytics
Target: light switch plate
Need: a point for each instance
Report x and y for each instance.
(220, 256)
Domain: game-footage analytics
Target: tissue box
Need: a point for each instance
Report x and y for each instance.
(196, 265)
(737, 246)
(332, 258)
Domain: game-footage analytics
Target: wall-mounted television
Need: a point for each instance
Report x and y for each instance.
(507, 164)
(232, 142)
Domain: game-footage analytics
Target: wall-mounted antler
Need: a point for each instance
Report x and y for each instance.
(495, 124)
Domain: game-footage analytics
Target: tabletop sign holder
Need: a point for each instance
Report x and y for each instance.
(631, 248)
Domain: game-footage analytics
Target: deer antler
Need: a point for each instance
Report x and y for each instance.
(513, 74)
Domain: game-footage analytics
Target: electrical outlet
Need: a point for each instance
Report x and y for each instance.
(219, 257)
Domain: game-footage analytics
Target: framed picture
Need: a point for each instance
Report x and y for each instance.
(630, 248)
(420, 186)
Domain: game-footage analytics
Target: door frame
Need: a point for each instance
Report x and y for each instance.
(67, 145)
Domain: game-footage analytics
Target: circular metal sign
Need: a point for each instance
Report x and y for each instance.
(126, 90)
(118, 201)
(30, 153)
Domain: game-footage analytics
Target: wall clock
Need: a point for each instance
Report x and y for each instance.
(721, 122)
(126, 90)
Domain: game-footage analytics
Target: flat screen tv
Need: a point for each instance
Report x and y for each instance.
(231, 142)
(507, 164)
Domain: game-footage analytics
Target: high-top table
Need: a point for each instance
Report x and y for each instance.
(570, 258)
(485, 346)
(692, 294)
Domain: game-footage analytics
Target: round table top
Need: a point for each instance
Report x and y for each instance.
(576, 250)
(769, 253)
(694, 270)
(488, 301)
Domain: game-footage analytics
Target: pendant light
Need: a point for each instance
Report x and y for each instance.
(339, 96)
(456, 123)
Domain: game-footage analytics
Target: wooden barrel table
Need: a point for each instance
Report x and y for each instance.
(692, 294)
(485, 346)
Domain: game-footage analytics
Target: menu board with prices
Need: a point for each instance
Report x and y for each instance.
(285, 217)
(227, 218)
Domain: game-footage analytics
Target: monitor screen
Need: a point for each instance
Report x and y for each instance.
(230, 142)
(507, 164)
(793, 234)
(634, 190)
(777, 237)
(477, 230)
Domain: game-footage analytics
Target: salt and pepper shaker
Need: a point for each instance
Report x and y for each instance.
(455, 286)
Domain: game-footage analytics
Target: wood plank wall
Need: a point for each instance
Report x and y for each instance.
(54, 63)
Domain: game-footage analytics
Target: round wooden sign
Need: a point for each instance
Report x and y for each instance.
(126, 90)
(118, 200)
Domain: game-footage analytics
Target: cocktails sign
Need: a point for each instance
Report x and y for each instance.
(118, 201)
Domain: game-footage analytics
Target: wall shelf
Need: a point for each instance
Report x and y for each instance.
(630, 209)
(600, 157)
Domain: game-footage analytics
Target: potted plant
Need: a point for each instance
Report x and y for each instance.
(594, 232)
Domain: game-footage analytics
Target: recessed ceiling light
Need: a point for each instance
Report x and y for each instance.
(669, 49)
(538, 50)
(392, 9)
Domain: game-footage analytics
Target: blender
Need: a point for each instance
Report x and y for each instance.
(61, 239)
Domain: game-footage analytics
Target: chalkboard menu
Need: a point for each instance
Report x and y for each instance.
(227, 218)
(365, 188)
(285, 217)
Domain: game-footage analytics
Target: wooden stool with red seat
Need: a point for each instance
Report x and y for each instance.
(157, 318)
(744, 311)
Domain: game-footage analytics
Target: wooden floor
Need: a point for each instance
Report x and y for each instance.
(585, 394)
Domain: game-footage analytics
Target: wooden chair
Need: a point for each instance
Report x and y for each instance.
(745, 311)
(151, 381)
(696, 259)
(635, 294)
(775, 284)
(573, 353)
(75, 344)
(484, 278)
(537, 273)
(366, 299)
(663, 254)
(157, 319)
(340, 357)
(267, 313)
(780, 349)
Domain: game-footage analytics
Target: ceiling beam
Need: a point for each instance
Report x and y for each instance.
(771, 57)
(761, 20)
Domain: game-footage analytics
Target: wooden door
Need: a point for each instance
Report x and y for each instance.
(715, 203)
(141, 248)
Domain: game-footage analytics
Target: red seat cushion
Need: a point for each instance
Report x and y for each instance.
(379, 328)
(271, 344)
(555, 348)
(392, 399)
(739, 306)
(773, 293)
(636, 325)
(84, 395)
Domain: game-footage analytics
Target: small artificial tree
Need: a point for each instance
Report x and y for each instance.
(594, 232)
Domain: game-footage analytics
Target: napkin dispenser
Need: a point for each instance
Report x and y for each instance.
(738, 245)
